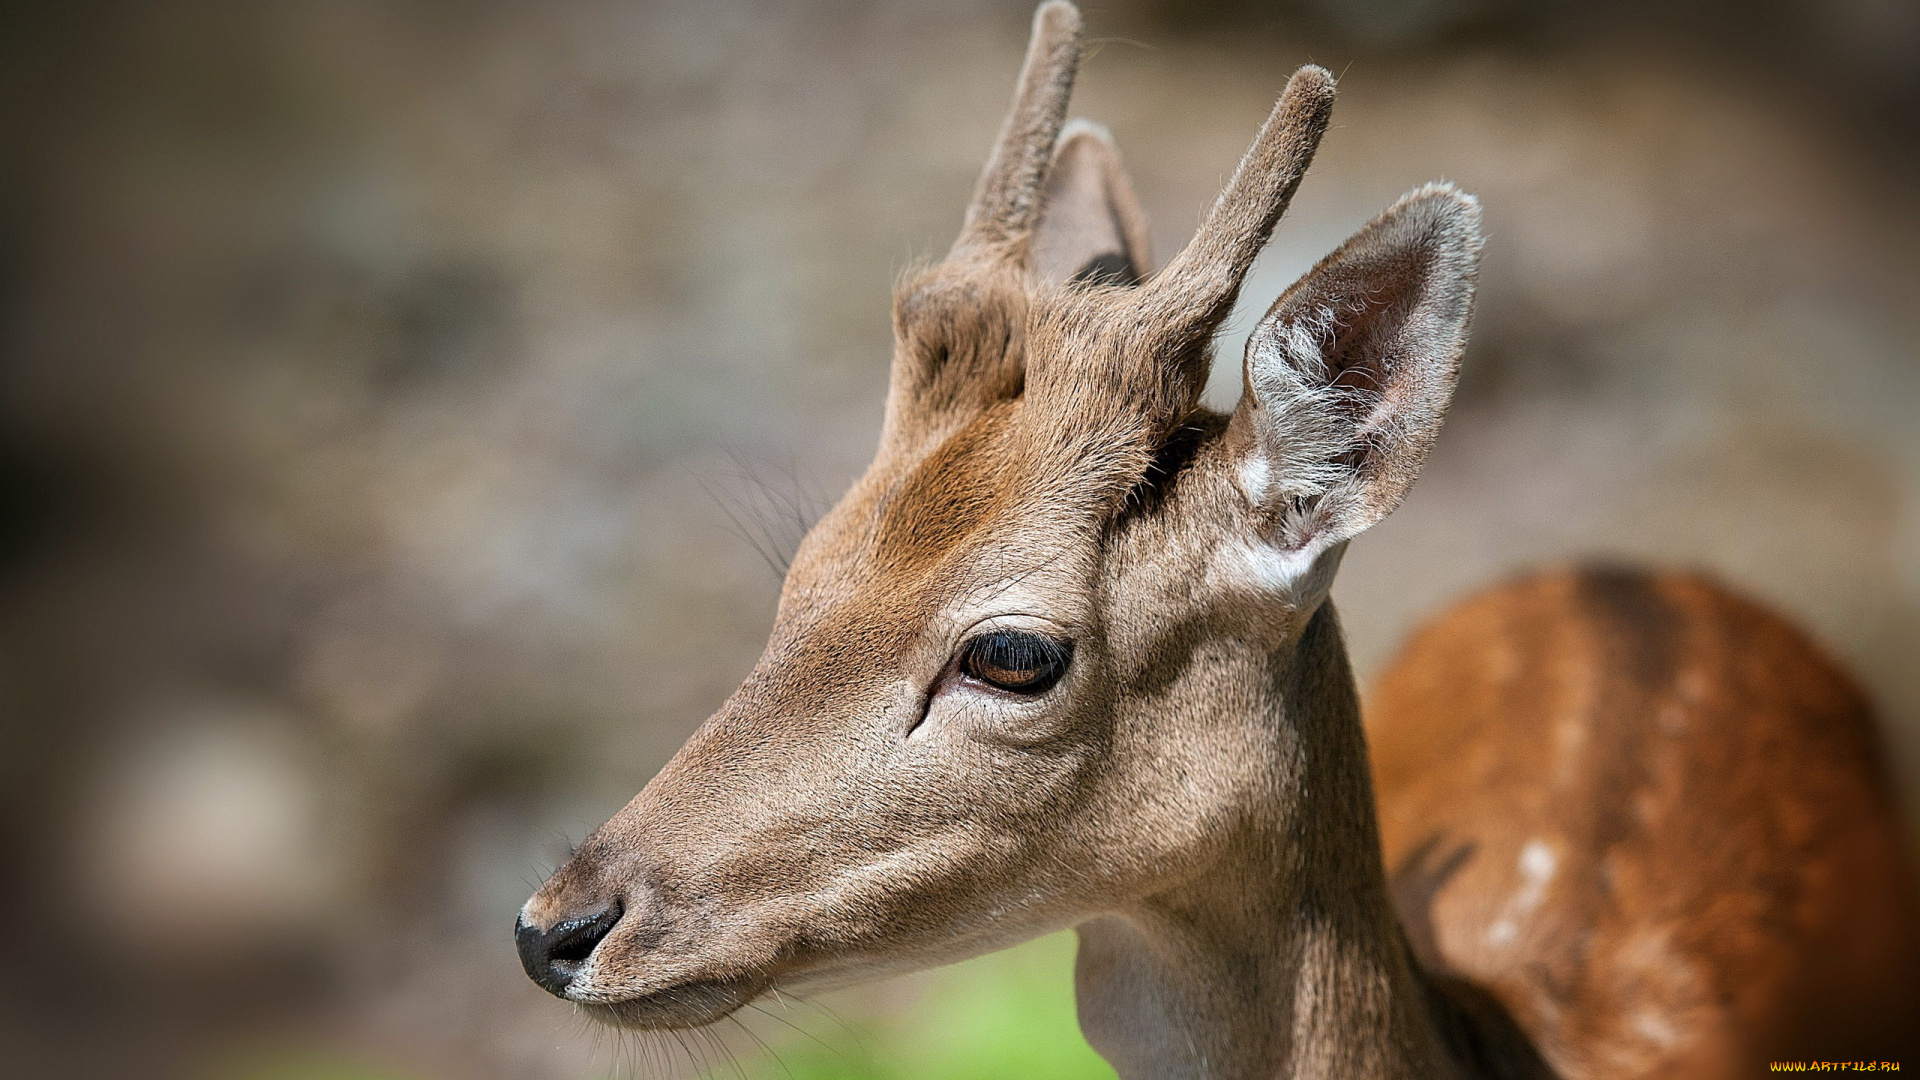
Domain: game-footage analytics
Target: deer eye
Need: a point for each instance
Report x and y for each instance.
(1012, 660)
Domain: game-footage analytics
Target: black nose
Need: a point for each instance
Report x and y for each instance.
(554, 956)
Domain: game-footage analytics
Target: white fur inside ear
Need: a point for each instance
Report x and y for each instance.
(1294, 564)
(1306, 424)
(1255, 477)
(1298, 578)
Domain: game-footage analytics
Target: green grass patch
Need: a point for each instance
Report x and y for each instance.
(1003, 1015)
(301, 1065)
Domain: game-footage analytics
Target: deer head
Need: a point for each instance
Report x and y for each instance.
(1022, 674)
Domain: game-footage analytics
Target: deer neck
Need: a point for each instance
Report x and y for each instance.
(1283, 959)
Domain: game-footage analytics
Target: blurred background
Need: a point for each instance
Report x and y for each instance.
(395, 399)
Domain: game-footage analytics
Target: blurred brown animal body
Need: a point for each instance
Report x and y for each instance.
(1651, 819)
(1063, 657)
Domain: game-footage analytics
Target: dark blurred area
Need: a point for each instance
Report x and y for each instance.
(396, 401)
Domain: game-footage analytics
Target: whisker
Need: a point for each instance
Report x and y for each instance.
(719, 1048)
(754, 537)
(829, 1047)
(833, 1016)
(680, 1036)
(765, 1050)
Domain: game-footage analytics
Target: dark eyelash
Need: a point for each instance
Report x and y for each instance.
(1016, 661)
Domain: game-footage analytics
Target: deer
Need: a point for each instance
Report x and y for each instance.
(1064, 657)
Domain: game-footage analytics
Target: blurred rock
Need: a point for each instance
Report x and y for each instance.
(207, 837)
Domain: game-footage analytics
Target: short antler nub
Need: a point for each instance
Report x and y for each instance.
(1003, 201)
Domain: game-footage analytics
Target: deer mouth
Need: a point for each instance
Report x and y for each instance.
(691, 1004)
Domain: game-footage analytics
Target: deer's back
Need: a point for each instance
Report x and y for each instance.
(1650, 818)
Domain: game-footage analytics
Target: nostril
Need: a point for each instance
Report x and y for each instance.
(581, 935)
(554, 956)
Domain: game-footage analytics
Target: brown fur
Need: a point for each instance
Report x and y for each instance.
(1193, 793)
(1729, 883)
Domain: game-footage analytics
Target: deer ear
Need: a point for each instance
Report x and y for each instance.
(1350, 371)
(1090, 227)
